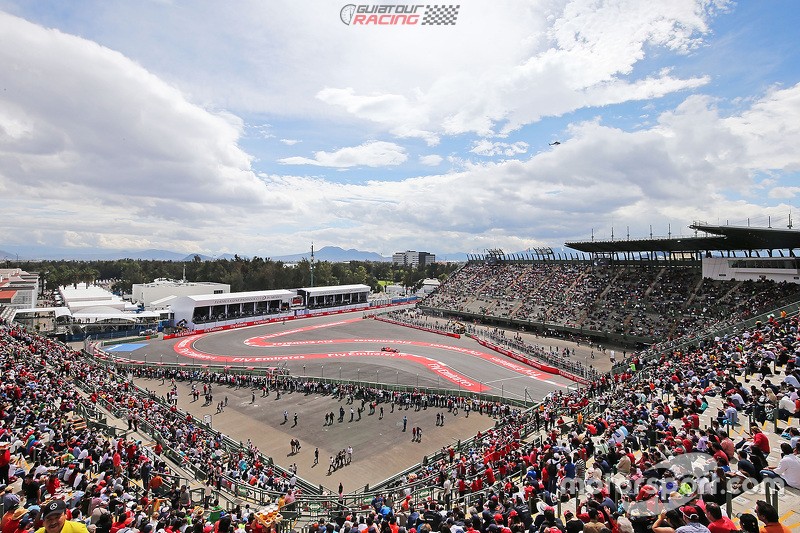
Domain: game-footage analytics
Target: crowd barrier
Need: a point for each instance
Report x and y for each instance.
(421, 328)
(236, 487)
(531, 362)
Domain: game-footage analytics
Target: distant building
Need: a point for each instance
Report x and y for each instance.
(413, 258)
(148, 293)
(395, 290)
(18, 289)
(428, 286)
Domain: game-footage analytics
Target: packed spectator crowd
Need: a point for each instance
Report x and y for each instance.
(627, 458)
(53, 465)
(643, 303)
(610, 452)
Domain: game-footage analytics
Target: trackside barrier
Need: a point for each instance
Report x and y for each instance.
(546, 328)
(135, 367)
(531, 362)
(230, 445)
(421, 328)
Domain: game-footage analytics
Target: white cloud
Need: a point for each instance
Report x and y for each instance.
(488, 148)
(674, 172)
(369, 154)
(784, 192)
(431, 160)
(550, 59)
(290, 142)
(97, 150)
(107, 146)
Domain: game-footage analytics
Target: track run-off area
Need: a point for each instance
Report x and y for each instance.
(421, 359)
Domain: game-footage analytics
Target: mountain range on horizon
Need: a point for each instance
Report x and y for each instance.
(332, 254)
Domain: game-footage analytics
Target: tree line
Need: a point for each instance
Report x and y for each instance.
(241, 274)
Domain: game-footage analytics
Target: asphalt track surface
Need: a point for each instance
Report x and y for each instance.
(348, 346)
(345, 346)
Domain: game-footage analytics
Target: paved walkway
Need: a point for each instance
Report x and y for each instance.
(380, 448)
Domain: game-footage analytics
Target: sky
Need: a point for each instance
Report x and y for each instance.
(259, 127)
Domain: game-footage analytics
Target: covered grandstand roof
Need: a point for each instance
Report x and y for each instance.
(236, 297)
(83, 292)
(56, 311)
(725, 238)
(97, 314)
(335, 289)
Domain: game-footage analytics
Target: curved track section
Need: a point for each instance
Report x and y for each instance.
(350, 349)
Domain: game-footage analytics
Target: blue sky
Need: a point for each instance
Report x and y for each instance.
(259, 127)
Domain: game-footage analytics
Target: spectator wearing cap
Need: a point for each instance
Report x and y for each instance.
(624, 465)
(54, 514)
(5, 461)
(571, 523)
(548, 520)
(692, 518)
(595, 523)
(9, 500)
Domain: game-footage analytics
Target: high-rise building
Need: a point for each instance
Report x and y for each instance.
(413, 258)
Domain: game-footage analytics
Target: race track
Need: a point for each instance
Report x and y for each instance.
(347, 346)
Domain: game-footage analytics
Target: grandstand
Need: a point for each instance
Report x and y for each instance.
(722, 365)
(629, 293)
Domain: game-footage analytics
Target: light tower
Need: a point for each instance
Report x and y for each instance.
(312, 264)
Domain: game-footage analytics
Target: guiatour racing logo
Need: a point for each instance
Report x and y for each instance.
(347, 12)
(382, 15)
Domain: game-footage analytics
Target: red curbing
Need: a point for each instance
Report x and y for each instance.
(533, 363)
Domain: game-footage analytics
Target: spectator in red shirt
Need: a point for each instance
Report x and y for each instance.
(716, 522)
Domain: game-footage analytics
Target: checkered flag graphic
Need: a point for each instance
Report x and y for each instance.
(440, 15)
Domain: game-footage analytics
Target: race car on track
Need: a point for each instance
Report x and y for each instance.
(389, 349)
